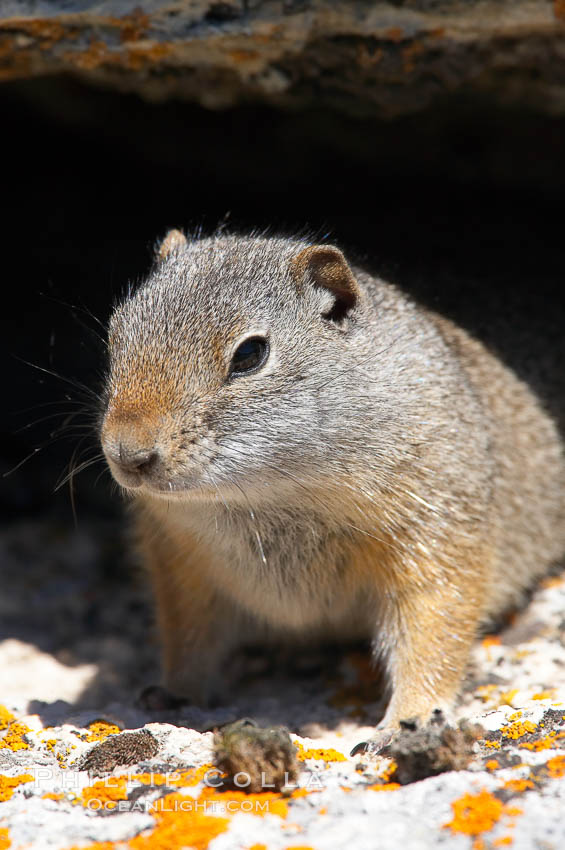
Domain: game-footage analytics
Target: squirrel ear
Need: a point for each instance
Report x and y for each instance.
(173, 242)
(327, 268)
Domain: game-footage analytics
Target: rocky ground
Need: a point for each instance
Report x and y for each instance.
(76, 646)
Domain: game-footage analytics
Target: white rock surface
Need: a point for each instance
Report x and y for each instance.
(89, 666)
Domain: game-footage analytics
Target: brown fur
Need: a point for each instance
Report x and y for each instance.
(381, 474)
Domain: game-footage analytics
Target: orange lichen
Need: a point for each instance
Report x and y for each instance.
(522, 653)
(506, 697)
(14, 737)
(554, 581)
(475, 813)
(519, 785)
(263, 803)
(488, 641)
(179, 824)
(197, 774)
(303, 792)
(101, 730)
(299, 847)
(244, 56)
(105, 794)
(144, 55)
(556, 767)
(4, 839)
(155, 779)
(388, 786)
(518, 729)
(90, 58)
(492, 764)
(389, 771)
(6, 717)
(9, 783)
(485, 692)
(51, 795)
(134, 26)
(503, 842)
(46, 30)
(319, 754)
(14, 731)
(513, 810)
(544, 695)
(492, 745)
(545, 743)
(258, 847)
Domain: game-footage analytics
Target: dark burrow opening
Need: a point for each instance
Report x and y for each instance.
(460, 204)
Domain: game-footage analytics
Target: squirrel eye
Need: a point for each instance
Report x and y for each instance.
(249, 356)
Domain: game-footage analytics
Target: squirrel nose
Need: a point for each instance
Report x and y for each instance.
(130, 457)
(133, 459)
(130, 447)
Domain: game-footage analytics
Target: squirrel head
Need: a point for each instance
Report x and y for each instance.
(228, 365)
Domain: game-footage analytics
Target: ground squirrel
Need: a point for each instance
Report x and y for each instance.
(310, 451)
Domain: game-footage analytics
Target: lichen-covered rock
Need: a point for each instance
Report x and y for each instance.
(385, 58)
(502, 784)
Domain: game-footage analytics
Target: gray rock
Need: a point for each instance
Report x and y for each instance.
(387, 58)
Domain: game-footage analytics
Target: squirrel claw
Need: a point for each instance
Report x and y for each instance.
(376, 744)
(360, 749)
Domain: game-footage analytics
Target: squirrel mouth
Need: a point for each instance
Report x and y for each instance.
(126, 479)
(143, 472)
(142, 468)
(153, 486)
